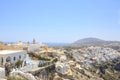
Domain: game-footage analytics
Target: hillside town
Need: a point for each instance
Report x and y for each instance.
(33, 61)
(59, 40)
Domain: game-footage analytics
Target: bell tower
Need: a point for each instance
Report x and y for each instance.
(34, 41)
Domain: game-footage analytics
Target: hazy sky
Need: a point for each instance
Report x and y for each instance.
(59, 20)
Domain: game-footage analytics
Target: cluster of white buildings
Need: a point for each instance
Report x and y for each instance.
(95, 55)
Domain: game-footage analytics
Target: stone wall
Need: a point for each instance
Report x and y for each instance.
(44, 73)
(2, 73)
(28, 76)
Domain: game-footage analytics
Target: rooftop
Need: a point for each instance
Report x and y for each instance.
(3, 52)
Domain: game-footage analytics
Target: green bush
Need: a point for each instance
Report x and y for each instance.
(31, 54)
(18, 63)
(42, 58)
(39, 65)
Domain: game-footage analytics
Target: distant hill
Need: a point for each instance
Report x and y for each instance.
(94, 42)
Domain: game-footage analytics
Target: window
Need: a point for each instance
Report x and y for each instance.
(58, 69)
(2, 61)
(19, 57)
(14, 58)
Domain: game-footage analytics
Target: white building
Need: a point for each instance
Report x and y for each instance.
(62, 68)
(33, 47)
(63, 58)
(14, 56)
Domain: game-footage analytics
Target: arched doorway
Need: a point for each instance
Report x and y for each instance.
(8, 59)
(2, 61)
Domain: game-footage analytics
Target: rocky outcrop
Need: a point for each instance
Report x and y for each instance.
(28, 76)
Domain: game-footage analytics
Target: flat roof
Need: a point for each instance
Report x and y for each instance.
(4, 52)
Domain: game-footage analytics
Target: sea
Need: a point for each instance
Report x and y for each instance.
(47, 43)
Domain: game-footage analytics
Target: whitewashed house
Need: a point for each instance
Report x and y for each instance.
(33, 47)
(62, 68)
(14, 56)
